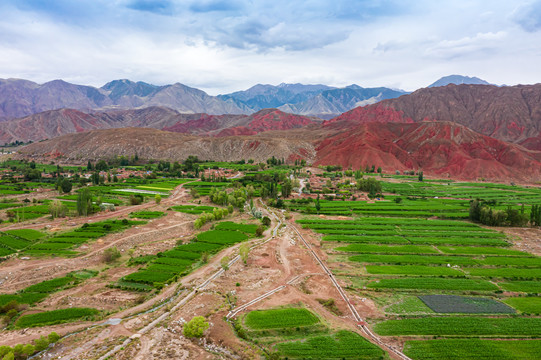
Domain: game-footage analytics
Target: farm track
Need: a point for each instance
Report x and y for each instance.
(176, 195)
(181, 302)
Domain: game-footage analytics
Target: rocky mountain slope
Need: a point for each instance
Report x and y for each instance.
(53, 123)
(437, 148)
(262, 96)
(157, 144)
(331, 103)
(19, 98)
(509, 113)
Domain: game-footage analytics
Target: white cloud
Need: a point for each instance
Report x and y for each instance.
(226, 46)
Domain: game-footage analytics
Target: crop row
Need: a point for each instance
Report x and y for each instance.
(169, 265)
(193, 209)
(147, 214)
(341, 345)
(55, 317)
(504, 261)
(472, 349)
(423, 249)
(479, 326)
(279, 318)
(428, 283)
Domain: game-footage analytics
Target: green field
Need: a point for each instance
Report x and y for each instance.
(412, 283)
(224, 237)
(229, 226)
(529, 304)
(168, 266)
(55, 317)
(28, 234)
(409, 305)
(533, 287)
(387, 249)
(279, 318)
(414, 259)
(147, 214)
(413, 270)
(465, 304)
(193, 209)
(473, 349)
(341, 345)
(477, 326)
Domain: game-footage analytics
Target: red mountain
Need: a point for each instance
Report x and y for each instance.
(438, 148)
(369, 114)
(267, 120)
(509, 113)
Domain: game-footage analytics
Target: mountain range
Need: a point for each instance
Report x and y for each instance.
(439, 148)
(19, 98)
(461, 131)
(54, 123)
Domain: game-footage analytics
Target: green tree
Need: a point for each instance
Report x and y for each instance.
(65, 186)
(42, 343)
(101, 166)
(224, 262)
(84, 202)
(286, 188)
(318, 205)
(9, 356)
(266, 221)
(57, 209)
(4, 350)
(244, 251)
(28, 349)
(420, 177)
(158, 199)
(259, 231)
(195, 327)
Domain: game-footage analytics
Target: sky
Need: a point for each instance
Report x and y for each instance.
(221, 46)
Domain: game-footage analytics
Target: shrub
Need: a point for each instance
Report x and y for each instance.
(111, 254)
(195, 327)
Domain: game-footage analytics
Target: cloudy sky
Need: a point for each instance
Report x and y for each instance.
(227, 45)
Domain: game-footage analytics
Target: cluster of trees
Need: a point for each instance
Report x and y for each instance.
(63, 185)
(482, 212)
(370, 185)
(217, 214)
(273, 161)
(236, 198)
(101, 165)
(23, 351)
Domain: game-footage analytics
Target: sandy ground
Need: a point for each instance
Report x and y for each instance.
(269, 266)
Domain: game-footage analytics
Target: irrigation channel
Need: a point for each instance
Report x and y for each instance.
(360, 321)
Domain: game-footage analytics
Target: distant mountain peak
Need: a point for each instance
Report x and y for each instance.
(458, 80)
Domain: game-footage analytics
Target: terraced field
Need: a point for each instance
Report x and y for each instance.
(297, 333)
(64, 244)
(168, 266)
(451, 278)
